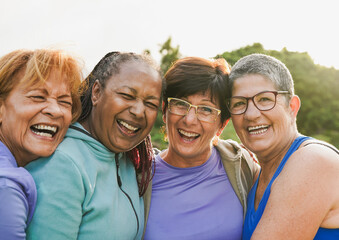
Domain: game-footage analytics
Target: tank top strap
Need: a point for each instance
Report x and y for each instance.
(295, 145)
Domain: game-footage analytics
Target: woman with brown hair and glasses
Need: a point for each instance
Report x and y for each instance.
(89, 188)
(200, 186)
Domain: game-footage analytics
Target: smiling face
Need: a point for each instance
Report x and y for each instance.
(34, 119)
(125, 111)
(190, 140)
(264, 132)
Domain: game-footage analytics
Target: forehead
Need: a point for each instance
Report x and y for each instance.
(55, 82)
(136, 75)
(251, 84)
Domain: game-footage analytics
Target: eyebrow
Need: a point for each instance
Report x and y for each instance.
(208, 100)
(135, 92)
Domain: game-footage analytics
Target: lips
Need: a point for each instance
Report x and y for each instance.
(44, 130)
(188, 136)
(255, 130)
(127, 127)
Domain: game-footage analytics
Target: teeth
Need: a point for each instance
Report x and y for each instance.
(43, 134)
(260, 129)
(126, 125)
(45, 127)
(187, 134)
(257, 127)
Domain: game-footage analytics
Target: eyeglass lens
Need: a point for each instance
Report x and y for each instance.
(204, 113)
(263, 101)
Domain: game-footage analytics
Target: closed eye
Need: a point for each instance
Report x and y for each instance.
(66, 103)
(152, 105)
(126, 96)
(38, 98)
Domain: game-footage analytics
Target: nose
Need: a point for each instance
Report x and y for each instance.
(53, 109)
(252, 111)
(191, 117)
(138, 109)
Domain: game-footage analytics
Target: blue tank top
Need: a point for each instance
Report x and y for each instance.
(253, 216)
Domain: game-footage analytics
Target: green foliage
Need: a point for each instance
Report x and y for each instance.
(317, 86)
(158, 133)
(169, 54)
(229, 132)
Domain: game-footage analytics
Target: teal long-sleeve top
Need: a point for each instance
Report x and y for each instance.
(79, 196)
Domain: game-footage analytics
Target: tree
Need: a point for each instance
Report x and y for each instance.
(169, 54)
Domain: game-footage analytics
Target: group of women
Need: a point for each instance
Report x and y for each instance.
(76, 158)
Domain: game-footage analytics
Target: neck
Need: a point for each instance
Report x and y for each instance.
(270, 162)
(177, 160)
(87, 124)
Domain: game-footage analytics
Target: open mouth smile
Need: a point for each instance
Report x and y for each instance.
(188, 136)
(258, 129)
(44, 130)
(127, 128)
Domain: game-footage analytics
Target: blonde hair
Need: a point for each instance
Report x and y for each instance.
(37, 66)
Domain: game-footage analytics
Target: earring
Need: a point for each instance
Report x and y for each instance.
(215, 140)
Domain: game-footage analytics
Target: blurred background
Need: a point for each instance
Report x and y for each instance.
(301, 33)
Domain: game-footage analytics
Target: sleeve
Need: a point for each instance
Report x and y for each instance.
(13, 213)
(61, 193)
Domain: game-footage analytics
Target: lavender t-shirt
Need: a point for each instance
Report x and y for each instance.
(17, 197)
(193, 203)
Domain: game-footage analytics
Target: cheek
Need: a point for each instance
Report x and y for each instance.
(68, 117)
(236, 122)
(152, 116)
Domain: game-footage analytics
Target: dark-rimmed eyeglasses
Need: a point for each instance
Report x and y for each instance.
(263, 101)
(204, 113)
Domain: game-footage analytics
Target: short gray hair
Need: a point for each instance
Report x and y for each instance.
(269, 67)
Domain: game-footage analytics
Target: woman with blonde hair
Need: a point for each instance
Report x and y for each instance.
(39, 98)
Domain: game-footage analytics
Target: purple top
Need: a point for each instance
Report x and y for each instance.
(17, 197)
(193, 203)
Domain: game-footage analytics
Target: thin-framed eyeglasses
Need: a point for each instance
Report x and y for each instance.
(204, 113)
(263, 101)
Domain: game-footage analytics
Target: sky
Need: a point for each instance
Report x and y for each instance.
(203, 28)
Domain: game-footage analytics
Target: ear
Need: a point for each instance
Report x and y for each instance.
(164, 117)
(96, 92)
(163, 113)
(294, 105)
(222, 127)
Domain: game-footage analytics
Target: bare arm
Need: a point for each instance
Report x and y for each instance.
(303, 197)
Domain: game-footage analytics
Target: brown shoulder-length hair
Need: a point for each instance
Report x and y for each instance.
(192, 75)
(37, 66)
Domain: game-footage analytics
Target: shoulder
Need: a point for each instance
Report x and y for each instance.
(314, 163)
(71, 154)
(61, 168)
(232, 152)
(315, 158)
(310, 175)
